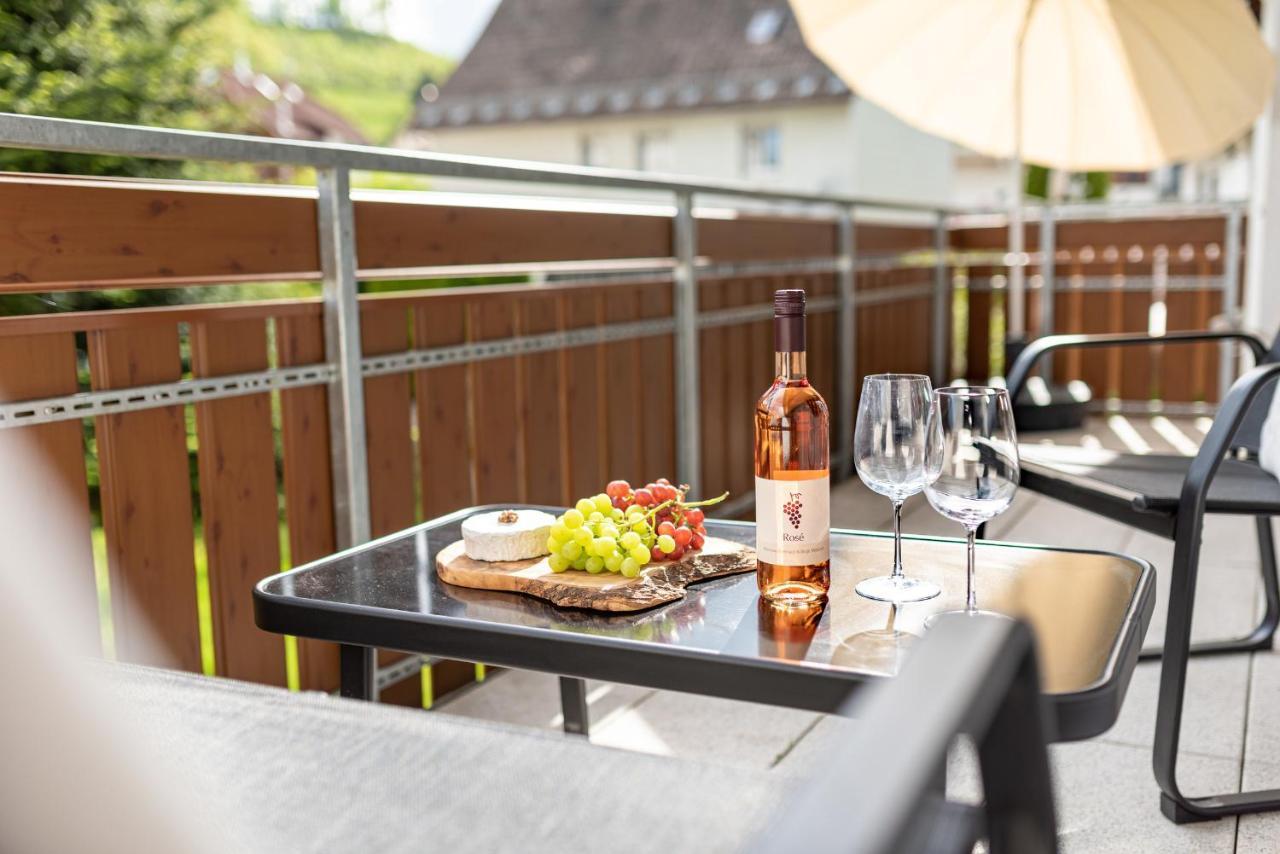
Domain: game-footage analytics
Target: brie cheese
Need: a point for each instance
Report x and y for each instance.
(497, 536)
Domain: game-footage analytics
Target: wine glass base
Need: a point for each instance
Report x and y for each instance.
(932, 620)
(897, 589)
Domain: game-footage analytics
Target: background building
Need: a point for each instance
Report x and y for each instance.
(720, 89)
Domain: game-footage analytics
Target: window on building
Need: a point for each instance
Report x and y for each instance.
(589, 153)
(653, 151)
(764, 26)
(761, 150)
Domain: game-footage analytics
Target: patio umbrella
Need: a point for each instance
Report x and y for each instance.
(1124, 85)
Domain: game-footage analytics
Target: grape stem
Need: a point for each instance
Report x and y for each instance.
(706, 502)
(684, 505)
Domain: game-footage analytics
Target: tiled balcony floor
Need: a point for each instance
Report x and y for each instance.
(1107, 797)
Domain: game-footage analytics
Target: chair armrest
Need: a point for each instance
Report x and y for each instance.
(1017, 377)
(974, 675)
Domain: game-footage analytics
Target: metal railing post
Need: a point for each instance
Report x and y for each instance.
(941, 305)
(847, 336)
(688, 430)
(335, 215)
(1230, 298)
(1048, 278)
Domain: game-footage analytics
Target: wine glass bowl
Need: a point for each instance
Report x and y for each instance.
(889, 454)
(972, 466)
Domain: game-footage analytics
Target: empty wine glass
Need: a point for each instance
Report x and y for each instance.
(972, 462)
(889, 453)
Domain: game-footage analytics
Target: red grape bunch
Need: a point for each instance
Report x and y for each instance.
(792, 510)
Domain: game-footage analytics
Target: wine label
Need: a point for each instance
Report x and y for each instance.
(793, 518)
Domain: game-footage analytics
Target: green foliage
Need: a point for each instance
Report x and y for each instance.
(370, 79)
(128, 61)
(1096, 184)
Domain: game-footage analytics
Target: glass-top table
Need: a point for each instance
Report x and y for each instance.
(1089, 609)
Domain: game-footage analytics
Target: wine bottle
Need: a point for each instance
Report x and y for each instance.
(793, 484)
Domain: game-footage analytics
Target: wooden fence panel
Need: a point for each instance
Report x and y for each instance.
(658, 438)
(713, 358)
(146, 501)
(390, 453)
(625, 398)
(544, 448)
(497, 406)
(443, 399)
(739, 428)
(582, 369)
(308, 487)
(238, 499)
(54, 527)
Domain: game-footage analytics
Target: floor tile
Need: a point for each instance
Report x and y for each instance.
(723, 732)
(1108, 802)
(527, 698)
(1260, 834)
(1213, 714)
(1262, 744)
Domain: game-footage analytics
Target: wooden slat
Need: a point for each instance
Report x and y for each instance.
(387, 408)
(712, 395)
(146, 502)
(443, 401)
(582, 372)
(626, 395)
(51, 525)
(497, 408)
(238, 499)
(658, 365)
(738, 427)
(387, 425)
(308, 487)
(542, 433)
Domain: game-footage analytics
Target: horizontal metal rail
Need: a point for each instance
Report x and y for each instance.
(1118, 282)
(83, 137)
(96, 403)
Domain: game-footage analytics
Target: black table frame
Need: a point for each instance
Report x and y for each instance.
(576, 657)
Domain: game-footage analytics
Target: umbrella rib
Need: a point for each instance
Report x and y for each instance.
(1171, 66)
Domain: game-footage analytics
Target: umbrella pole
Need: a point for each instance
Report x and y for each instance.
(1015, 306)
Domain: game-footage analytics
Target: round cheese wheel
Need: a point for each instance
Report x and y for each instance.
(507, 534)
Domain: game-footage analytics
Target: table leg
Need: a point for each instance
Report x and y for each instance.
(358, 667)
(573, 703)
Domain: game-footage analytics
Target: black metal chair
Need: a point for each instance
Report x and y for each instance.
(1169, 496)
(972, 675)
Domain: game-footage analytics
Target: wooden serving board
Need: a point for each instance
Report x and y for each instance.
(657, 584)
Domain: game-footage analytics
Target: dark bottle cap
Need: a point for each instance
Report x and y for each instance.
(788, 321)
(788, 303)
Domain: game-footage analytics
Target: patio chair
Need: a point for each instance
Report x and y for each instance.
(312, 772)
(1169, 496)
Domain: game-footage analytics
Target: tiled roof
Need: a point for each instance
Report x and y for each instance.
(548, 59)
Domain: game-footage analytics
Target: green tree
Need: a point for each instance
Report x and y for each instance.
(128, 61)
(1096, 184)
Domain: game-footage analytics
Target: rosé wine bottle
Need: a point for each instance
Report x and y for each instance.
(793, 485)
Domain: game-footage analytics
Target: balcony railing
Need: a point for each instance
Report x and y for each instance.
(637, 349)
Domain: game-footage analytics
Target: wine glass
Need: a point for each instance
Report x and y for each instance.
(889, 453)
(972, 462)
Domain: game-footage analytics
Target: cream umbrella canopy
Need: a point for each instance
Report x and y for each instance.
(1070, 84)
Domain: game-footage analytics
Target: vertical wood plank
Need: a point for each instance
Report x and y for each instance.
(237, 498)
(146, 501)
(387, 424)
(387, 407)
(443, 401)
(712, 362)
(52, 524)
(658, 439)
(540, 415)
(584, 415)
(308, 486)
(738, 429)
(624, 395)
(496, 407)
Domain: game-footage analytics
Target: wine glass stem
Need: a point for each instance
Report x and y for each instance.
(897, 539)
(971, 592)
